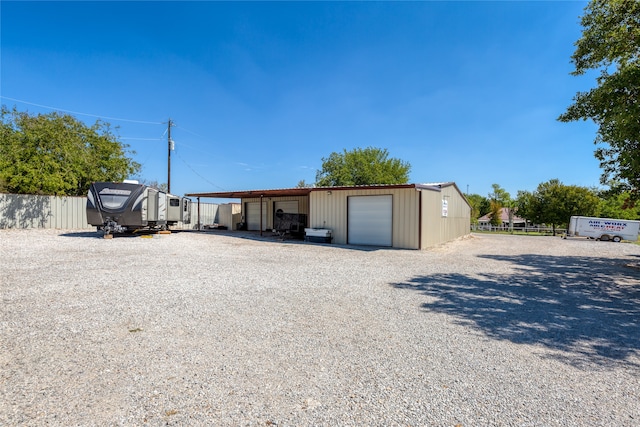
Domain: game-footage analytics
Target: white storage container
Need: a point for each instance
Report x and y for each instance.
(317, 235)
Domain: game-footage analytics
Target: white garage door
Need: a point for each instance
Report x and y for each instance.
(287, 206)
(253, 216)
(370, 220)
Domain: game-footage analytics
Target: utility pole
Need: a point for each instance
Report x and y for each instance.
(170, 145)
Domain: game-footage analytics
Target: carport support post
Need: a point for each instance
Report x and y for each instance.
(199, 226)
(261, 196)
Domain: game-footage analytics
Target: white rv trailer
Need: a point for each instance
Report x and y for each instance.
(120, 207)
(603, 228)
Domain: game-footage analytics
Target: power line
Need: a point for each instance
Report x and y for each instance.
(194, 171)
(170, 123)
(187, 130)
(81, 114)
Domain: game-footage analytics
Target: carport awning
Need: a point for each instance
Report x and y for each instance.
(305, 191)
(254, 193)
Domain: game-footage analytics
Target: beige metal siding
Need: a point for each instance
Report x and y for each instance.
(30, 211)
(328, 209)
(68, 213)
(406, 208)
(437, 229)
(230, 215)
(303, 206)
(431, 218)
(458, 221)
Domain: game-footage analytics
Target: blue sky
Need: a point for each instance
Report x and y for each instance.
(261, 92)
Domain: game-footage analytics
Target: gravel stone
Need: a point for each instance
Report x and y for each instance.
(217, 328)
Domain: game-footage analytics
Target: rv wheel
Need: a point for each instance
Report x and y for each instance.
(616, 239)
(604, 238)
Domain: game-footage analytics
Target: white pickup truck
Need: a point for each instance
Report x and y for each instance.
(603, 228)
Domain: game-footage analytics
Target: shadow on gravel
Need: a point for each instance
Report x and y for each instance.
(268, 236)
(587, 310)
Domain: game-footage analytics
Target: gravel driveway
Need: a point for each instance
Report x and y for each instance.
(208, 329)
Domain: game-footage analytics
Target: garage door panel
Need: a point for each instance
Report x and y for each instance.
(253, 216)
(287, 206)
(370, 220)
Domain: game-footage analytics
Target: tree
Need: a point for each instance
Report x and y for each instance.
(495, 213)
(528, 207)
(610, 43)
(479, 206)
(553, 203)
(362, 167)
(303, 184)
(499, 194)
(498, 199)
(164, 187)
(57, 154)
(618, 205)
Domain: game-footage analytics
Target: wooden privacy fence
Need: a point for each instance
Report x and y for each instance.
(69, 213)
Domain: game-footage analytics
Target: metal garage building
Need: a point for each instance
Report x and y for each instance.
(409, 216)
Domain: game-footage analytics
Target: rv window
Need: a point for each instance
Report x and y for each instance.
(174, 202)
(114, 198)
(113, 201)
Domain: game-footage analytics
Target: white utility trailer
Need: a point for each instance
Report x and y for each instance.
(603, 228)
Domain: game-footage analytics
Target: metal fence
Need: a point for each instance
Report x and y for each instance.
(69, 213)
(505, 228)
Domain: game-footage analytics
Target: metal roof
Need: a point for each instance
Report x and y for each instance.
(245, 194)
(289, 192)
(282, 192)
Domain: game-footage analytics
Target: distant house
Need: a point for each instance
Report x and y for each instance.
(485, 221)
